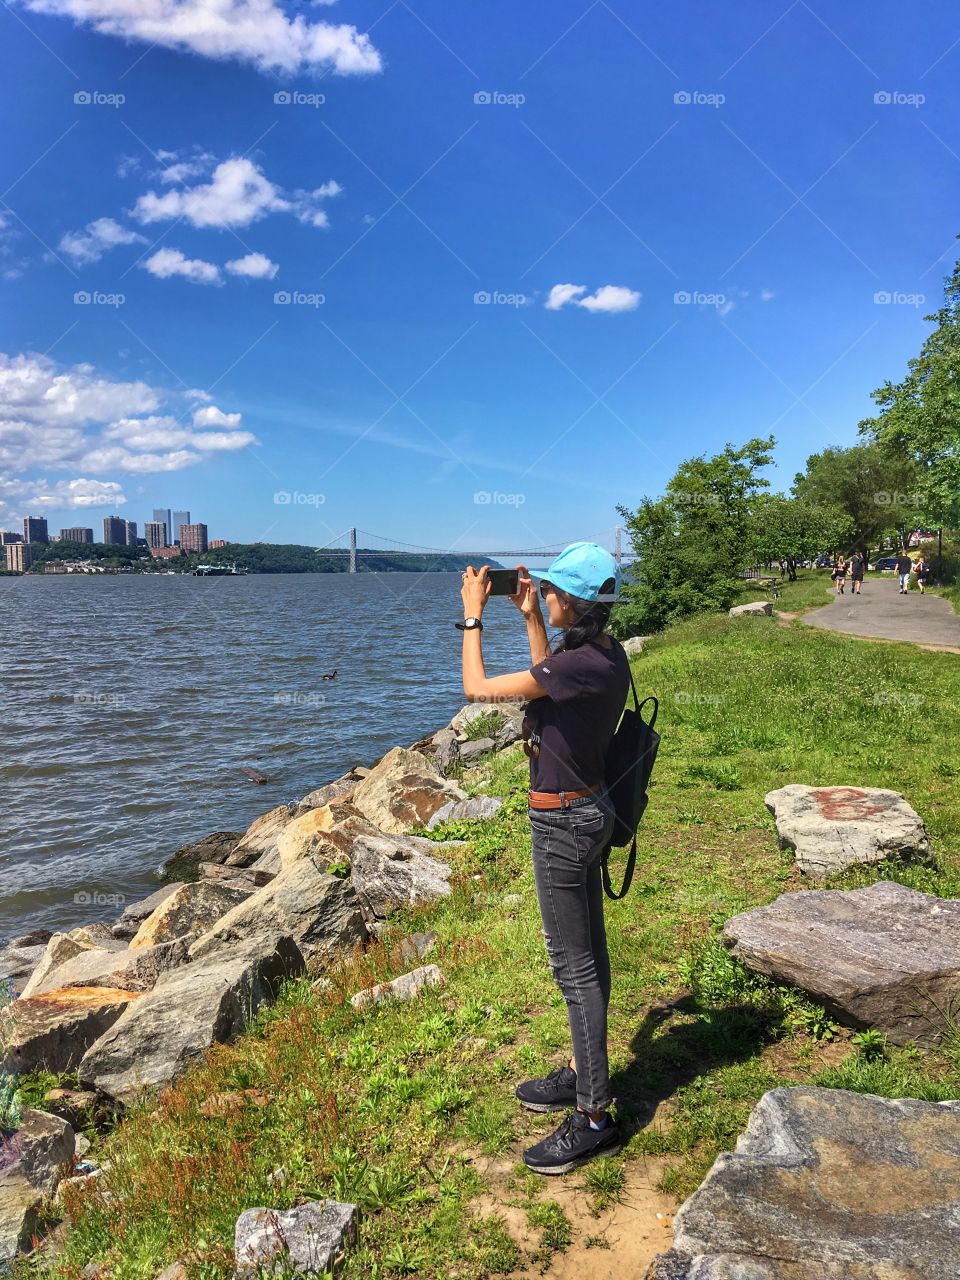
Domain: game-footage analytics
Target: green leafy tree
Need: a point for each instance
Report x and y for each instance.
(920, 416)
(874, 486)
(691, 544)
(793, 529)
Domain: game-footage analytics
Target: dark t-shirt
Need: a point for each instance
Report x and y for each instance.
(586, 693)
(904, 564)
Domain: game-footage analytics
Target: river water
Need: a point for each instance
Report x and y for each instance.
(130, 704)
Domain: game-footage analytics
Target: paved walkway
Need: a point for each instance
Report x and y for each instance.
(881, 613)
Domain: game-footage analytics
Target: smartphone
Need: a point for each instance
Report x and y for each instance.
(504, 582)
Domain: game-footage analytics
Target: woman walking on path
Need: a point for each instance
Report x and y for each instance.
(857, 566)
(840, 573)
(903, 566)
(575, 695)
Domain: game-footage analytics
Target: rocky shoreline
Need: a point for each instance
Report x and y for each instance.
(128, 1005)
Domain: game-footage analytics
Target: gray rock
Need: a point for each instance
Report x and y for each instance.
(52, 1031)
(45, 1148)
(307, 1240)
(407, 987)
(827, 1185)
(416, 947)
(634, 645)
(472, 710)
(402, 791)
(35, 938)
(260, 837)
(475, 748)
(247, 878)
(469, 810)
(830, 828)
(189, 1009)
(216, 847)
(388, 875)
(58, 951)
(125, 970)
(19, 1214)
(755, 609)
(342, 786)
(508, 733)
(885, 956)
(16, 966)
(446, 749)
(137, 912)
(318, 911)
(192, 908)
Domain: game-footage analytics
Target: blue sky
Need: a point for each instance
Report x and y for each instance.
(385, 168)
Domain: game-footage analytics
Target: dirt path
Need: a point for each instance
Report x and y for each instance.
(881, 613)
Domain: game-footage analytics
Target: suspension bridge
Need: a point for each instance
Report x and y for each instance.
(358, 543)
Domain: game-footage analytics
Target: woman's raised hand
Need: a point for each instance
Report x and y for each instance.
(526, 599)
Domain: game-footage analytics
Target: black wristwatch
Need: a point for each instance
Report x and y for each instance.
(469, 624)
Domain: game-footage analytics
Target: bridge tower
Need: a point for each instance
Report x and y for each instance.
(617, 553)
(353, 551)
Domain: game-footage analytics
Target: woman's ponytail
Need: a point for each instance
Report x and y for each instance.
(592, 618)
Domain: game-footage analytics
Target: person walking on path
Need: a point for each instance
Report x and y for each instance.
(574, 695)
(903, 565)
(922, 570)
(857, 566)
(839, 574)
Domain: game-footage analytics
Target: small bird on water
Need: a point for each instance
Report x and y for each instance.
(331, 676)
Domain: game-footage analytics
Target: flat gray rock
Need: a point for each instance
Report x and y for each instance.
(830, 828)
(388, 875)
(469, 810)
(827, 1185)
(755, 609)
(886, 956)
(308, 1240)
(407, 987)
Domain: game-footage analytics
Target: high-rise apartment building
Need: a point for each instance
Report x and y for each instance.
(216, 543)
(35, 529)
(162, 516)
(193, 537)
(18, 557)
(130, 532)
(6, 538)
(155, 532)
(76, 535)
(115, 531)
(179, 518)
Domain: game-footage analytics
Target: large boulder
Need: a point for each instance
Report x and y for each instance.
(318, 911)
(309, 832)
(60, 948)
(755, 609)
(402, 791)
(634, 645)
(188, 1010)
(193, 908)
(475, 749)
(471, 810)
(260, 837)
(827, 1185)
(388, 873)
(339, 788)
(134, 915)
(52, 1031)
(307, 1240)
(216, 847)
(830, 828)
(124, 970)
(32, 1162)
(885, 956)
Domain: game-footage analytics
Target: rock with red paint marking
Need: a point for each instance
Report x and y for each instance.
(886, 956)
(830, 828)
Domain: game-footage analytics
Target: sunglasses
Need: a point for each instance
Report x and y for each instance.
(545, 587)
(530, 738)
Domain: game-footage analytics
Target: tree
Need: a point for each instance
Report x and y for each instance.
(793, 529)
(691, 544)
(920, 416)
(875, 487)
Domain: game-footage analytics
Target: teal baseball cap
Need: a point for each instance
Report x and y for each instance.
(581, 570)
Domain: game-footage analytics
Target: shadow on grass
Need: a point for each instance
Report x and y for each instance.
(663, 1063)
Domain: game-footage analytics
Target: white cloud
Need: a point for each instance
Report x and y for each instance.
(256, 31)
(256, 265)
(171, 262)
(75, 420)
(211, 416)
(563, 293)
(767, 295)
(100, 235)
(725, 308)
(237, 194)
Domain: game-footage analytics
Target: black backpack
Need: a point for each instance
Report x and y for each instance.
(629, 763)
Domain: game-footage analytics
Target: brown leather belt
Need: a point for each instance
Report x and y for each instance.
(557, 799)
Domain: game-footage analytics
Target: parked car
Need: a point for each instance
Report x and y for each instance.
(886, 562)
(823, 562)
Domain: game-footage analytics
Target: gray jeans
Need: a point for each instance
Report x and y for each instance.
(567, 844)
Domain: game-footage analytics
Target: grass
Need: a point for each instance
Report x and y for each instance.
(398, 1107)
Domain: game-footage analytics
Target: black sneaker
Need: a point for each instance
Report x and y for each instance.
(573, 1144)
(555, 1092)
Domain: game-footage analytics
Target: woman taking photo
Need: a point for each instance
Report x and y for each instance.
(575, 695)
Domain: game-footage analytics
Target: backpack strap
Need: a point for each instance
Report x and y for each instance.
(627, 875)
